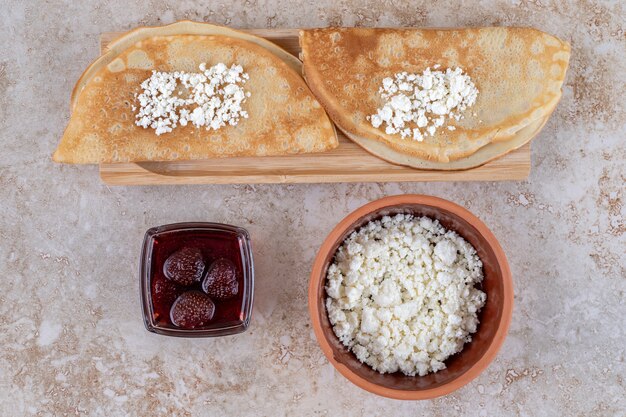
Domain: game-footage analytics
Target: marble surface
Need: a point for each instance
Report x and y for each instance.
(71, 337)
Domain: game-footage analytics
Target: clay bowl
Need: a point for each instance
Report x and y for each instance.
(494, 317)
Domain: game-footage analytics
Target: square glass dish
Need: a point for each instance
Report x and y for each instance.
(211, 242)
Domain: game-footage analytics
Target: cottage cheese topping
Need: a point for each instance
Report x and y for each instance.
(416, 105)
(211, 98)
(402, 296)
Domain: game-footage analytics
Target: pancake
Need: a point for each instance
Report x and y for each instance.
(284, 117)
(518, 72)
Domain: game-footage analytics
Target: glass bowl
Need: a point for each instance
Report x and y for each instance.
(215, 240)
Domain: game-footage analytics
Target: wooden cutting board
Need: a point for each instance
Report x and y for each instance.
(346, 163)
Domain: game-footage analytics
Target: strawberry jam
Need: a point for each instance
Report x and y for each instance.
(197, 266)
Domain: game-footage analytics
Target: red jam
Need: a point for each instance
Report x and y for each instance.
(212, 246)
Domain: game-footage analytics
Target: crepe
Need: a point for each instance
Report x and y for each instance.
(518, 72)
(284, 117)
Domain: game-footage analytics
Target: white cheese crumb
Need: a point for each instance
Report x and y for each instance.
(417, 99)
(213, 98)
(401, 294)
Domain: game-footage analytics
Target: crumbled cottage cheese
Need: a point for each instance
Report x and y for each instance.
(416, 105)
(402, 296)
(212, 98)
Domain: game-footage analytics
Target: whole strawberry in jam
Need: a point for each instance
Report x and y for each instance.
(221, 280)
(164, 293)
(191, 310)
(185, 266)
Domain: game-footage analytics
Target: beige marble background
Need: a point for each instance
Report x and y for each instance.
(71, 337)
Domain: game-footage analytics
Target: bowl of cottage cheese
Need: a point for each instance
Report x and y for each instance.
(410, 297)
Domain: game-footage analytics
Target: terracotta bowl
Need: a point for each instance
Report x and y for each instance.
(494, 317)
